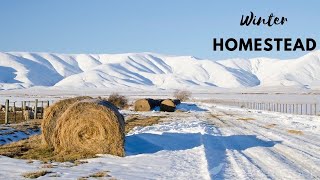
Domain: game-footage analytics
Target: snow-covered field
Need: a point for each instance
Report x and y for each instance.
(207, 142)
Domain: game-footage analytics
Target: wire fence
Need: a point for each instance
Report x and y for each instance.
(282, 107)
(19, 111)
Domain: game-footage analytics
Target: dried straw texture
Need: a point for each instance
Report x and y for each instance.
(145, 104)
(167, 105)
(90, 127)
(52, 114)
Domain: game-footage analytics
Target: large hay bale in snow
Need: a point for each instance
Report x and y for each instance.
(90, 127)
(52, 114)
(167, 105)
(145, 104)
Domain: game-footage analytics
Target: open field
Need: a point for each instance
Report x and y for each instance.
(284, 94)
(202, 141)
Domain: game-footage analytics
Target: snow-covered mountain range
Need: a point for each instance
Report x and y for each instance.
(151, 70)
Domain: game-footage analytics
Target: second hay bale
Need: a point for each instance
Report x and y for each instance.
(167, 105)
(146, 104)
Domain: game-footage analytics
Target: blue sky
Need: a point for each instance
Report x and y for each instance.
(180, 27)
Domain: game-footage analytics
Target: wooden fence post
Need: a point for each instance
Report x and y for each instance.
(22, 109)
(14, 112)
(6, 119)
(35, 109)
(41, 109)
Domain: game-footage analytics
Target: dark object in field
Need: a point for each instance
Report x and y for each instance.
(167, 105)
(176, 101)
(146, 104)
(27, 115)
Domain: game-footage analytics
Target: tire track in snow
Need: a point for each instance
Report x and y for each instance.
(302, 167)
(297, 164)
(276, 134)
(286, 139)
(243, 168)
(243, 161)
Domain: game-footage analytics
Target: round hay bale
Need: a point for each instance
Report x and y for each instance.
(156, 102)
(51, 114)
(145, 104)
(176, 101)
(167, 106)
(90, 127)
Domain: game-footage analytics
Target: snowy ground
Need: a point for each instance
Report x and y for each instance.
(207, 142)
(276, 94)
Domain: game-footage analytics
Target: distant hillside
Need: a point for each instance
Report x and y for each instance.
(151, 70)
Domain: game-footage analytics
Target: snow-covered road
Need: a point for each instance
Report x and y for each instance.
(212, 142)
(293, 154)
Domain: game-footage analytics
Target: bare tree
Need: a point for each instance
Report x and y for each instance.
(118, 100)
(182, 95)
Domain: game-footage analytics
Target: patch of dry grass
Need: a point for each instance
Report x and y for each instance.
(100, 174)
(12, 119)
(246, 119)
(79, 162)
(296, 132)
(216, 116)
(135, 121)
(47, 166)
(27, 149)
(33, 147)
(269, 126)
(83, 178)
(36, 174)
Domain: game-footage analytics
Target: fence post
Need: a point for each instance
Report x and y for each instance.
(306, 109)
(41, 109)
(48, 104)
(14, 112)
(35, 109)
(6, 119)
(269, 108)
(293, 109)
(22, 110)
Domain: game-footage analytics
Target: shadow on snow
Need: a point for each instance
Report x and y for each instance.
(215, 146)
